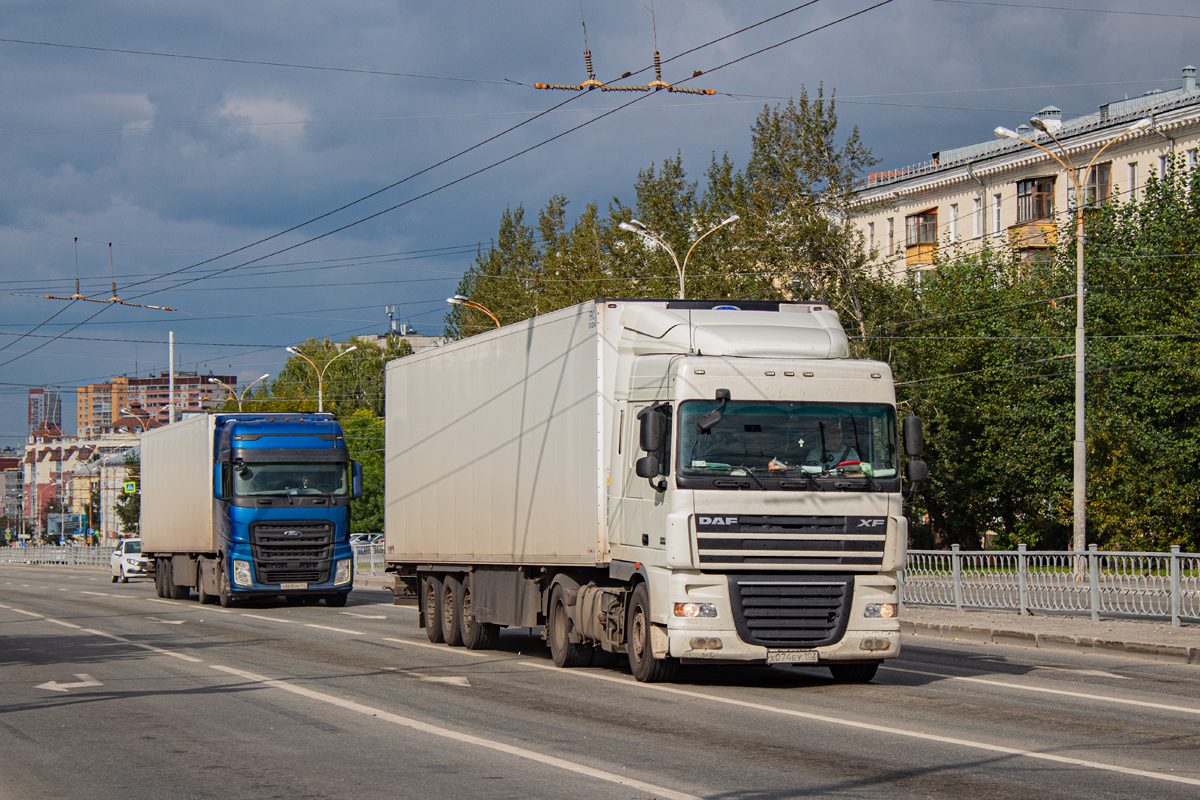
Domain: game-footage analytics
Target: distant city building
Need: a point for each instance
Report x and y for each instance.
(45, 408)
(1004, 192)
(99, 405)
(402, 331)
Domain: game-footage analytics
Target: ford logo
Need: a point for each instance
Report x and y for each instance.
(292, 533)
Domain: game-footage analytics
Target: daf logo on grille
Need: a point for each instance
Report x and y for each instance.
(292, 533)
(718, 520)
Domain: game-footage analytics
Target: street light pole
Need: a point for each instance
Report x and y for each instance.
(320, 372)
(234, 393)
(1079, 495)
(634, 226)
(459, 300)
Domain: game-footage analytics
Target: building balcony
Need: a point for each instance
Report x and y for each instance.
(920, 255)
(1033, 235)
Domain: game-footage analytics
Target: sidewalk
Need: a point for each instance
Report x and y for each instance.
(1154, 640)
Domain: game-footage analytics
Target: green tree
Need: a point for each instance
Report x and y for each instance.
(364, 438)
(129, 506)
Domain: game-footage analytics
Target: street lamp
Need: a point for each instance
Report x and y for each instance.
(459, 300)
(320, 372)
(634, 226)
(1049, 127)
(236, 396)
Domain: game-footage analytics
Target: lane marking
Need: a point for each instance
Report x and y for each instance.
(465, 738)
(339, 630)
(271, 619)
(27, 613)
(106, 594)
(149, 647)
(365, 616)
(438, 647)
(164, 621)
(867, 726)
(1043, 690)
(1094, 672)
(453, 681)
(65, 624)
(85, 680)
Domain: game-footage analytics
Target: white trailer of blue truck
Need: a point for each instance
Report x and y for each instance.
(659, 479)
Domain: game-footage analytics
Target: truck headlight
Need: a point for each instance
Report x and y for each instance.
(343, 572)
(695, 610)
(241, 573)
(884, 610)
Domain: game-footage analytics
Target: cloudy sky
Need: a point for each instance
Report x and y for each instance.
(189, 165)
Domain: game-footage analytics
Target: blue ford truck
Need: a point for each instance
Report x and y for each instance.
(235, 506)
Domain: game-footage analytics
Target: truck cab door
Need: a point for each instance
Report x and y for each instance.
(644, 514)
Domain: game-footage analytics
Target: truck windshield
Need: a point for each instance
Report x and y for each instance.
(257, 480)
(797, 441)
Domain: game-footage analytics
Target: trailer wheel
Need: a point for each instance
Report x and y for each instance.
(642, 663)
(854, 673)
(431, 608)
(452, 611)
(204, 597)
(160, 573)
(565, 653)
(476, 635)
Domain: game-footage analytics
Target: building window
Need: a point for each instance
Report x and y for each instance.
(977, 218)
(1133, 184)
(996, 226)
(891, 236)
(1163, 163)
(954, 222)
(921, 228)
(1099, 186)
(1193, 156)
(870, 237)
(1035, 199)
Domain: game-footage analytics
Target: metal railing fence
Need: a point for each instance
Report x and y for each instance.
(1165, 585)
(368, 559)
(68, 555)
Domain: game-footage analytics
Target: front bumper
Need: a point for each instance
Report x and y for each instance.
(695, 639)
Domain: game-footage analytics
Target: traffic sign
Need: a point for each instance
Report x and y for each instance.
(130, 487)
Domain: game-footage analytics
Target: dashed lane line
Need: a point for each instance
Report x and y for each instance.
(466, 738)
(331, 628)
(868, 726)
(441, 648)
(1044, 690)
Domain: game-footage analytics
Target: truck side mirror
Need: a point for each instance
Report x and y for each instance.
(914, 436)
(356, 480)
(917, 471)
(218, 487)
(647, 467)
(653, 428)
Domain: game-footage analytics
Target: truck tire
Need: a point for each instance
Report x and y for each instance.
(160, 573)
(224, 593)
(204, 597)
(565, 653)
(452, 611)
(180, 592)
(336, 600)
(476, 635)
(431, 608)
(642, 663)
(854, 673)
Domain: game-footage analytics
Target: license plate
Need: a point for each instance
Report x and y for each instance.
(791, 656)
(296, 586)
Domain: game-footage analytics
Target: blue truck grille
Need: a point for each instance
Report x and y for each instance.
(791, 610)
(292, 552)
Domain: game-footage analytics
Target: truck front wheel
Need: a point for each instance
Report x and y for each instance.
(224, 593)
(642, 663)
(431, 608)
(854, 673)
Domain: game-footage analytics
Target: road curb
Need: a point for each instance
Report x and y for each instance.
(1168, 654)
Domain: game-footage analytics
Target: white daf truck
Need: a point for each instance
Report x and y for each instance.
(675, 481)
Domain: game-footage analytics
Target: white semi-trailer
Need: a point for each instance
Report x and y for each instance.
(678, 481)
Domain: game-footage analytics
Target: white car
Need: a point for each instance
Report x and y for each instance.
(127, 560)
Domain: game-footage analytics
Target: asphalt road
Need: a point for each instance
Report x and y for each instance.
(109, 692)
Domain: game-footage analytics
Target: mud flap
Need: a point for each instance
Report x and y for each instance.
(660, 642)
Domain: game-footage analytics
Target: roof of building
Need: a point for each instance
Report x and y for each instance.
(1111, 115)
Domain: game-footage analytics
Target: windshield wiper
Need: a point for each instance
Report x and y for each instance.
(810, 482)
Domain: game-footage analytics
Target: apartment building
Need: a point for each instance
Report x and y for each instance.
(45, 408)
(98, 405)
(1008, 193)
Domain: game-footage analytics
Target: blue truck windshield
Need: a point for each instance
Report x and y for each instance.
(796, 441)
(261, 480)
